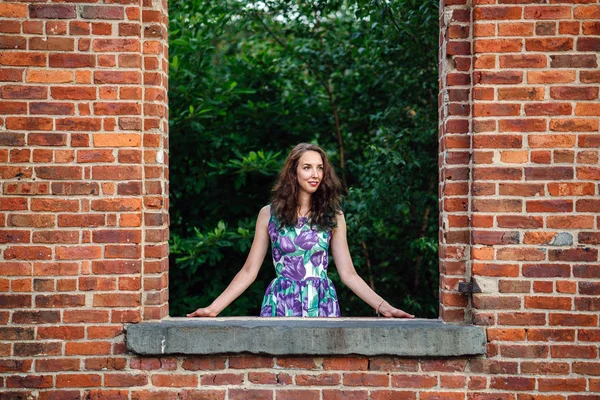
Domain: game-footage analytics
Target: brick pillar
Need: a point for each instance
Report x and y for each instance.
(83, 147)
(529, 113)
(535, 163)
(455, 70)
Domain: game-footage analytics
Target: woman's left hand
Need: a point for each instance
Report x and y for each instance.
(389, 311)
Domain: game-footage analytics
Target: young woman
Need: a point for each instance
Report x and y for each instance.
(303, 221)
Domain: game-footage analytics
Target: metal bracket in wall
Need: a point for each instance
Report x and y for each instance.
(469, 287)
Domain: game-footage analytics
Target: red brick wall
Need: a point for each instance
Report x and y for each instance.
(83, 212)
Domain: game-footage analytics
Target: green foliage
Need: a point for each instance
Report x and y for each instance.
(250, 79)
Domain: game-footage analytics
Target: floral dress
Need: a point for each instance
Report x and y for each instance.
(301, 288)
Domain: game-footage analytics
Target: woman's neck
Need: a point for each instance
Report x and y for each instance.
(303, 204)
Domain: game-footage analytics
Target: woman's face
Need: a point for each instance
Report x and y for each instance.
(309, 171)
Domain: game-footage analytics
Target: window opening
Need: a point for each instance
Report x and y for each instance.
(250, 79)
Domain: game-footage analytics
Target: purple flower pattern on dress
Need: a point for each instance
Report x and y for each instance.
(293, 268)
(302, 287)
(272, 229)
(307, 239)
(286, 245)
(276, 254)
(317, 258)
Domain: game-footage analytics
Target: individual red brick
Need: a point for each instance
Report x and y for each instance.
(71, 60)
(548, 303)
(573, 61)
(117, 300)
(572, 351)
(102, 12)
(116, 267)
(87, 348)
(79, 28)
(487, 110)
(327, 379)
(24, 92)
(132, 30)
(512, 383)
(112, 45)
(15, 301)
(165, 395)
(29, 381)
(37, 349)
(549, 44)
(51, 43)
(523, 61)
(574, 254)
(51, 108)
(573, 320)
(544, 206)
(48, 11)
(82, 220)
(13, 108)
(524, 351)
(54, 365)
(125, 380)
(548, 109)
(14, 236)
(588, 44)
(29, 59)
(365, 379)
(35, 317)
(119, 172)
(298, 394)
(504, 270)
(201, 363)
(574, 125)
(497, 205)
(232, 379)
(550, 76)
(574, 92)
(15, 365)
(562, 384)
(123, 251)
(73, 93)
(497, 13)
(414, 381)
(60, 301)
(9, 10)
(11, 74)
(497, 141)
(485, 302)
(54, 205)
(116, 108)
(498, 77)
(28, 253)
(117, 77)
(179, 380)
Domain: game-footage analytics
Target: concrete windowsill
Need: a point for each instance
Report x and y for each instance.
(308, 336)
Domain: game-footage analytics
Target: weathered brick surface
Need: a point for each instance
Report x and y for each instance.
(73, 149)
(83, 211)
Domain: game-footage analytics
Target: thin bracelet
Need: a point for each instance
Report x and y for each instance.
(377, 311)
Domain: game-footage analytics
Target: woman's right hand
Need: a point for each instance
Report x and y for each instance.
(202, 312)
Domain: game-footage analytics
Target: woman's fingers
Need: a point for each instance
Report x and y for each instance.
(201, 312)
(396, 313)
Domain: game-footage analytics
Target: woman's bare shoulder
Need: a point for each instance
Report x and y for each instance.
(264, 213)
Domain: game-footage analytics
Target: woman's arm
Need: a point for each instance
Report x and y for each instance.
(247, 274)
(343, 262)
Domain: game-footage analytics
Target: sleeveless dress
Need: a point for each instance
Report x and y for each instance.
(301, 288)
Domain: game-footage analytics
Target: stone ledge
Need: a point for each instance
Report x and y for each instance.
(308, 336)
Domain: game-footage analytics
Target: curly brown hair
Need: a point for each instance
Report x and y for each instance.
(325, 202)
